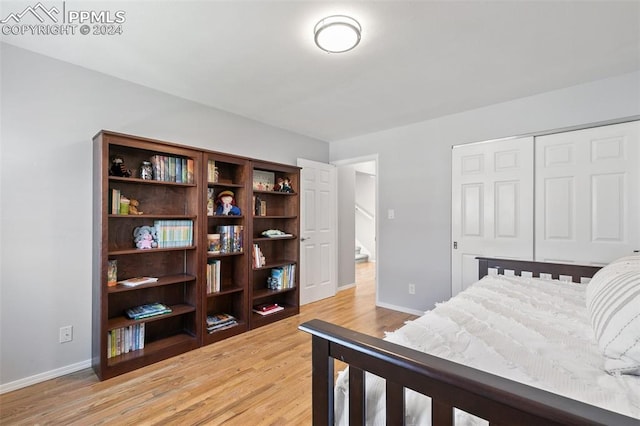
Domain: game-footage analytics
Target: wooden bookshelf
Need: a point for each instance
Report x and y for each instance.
(226, 173)
(281, 212)
(178, 268)
(173, 197)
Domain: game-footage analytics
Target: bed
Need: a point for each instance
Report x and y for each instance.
(529, 343)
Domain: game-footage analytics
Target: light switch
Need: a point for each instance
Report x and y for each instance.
(391, 214)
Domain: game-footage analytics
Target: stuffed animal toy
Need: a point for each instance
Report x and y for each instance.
(227, 204)
(118, 168)
(145, 237)
(133, 206)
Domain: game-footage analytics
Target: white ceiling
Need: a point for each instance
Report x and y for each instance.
(416, 61)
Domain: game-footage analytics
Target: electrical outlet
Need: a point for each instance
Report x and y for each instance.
(66, 333)
(412, 288)
(391, 214)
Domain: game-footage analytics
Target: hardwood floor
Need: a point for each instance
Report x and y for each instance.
(262, 377)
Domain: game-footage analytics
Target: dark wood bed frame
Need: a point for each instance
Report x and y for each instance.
(496, 399)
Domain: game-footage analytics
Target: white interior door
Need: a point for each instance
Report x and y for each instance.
(492, 205)
(588, 194)
(318, 251)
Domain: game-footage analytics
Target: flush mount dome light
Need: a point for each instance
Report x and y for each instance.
(337, 33)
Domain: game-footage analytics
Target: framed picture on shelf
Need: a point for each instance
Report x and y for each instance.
(263, 181)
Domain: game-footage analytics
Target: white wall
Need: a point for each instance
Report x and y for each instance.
(414, 177)
(50, 112)
(346, 176)
(366, 221)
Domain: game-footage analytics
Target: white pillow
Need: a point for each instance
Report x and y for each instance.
(613, 303)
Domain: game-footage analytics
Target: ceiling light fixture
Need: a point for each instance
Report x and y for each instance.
(337, 33)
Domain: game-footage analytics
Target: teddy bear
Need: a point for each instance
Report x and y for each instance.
(145, 237)
(133, 206)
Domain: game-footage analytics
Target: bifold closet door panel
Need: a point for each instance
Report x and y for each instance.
(588, 194)
(492, 205)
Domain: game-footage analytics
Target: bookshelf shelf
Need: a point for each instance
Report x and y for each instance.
(147, 251)
(123, 321)
(225, 185)
(225, 291)
(260, 239)
(219, 255)
(220, 217)
(265, 292)
(274, 217)
(153, 349)
(275, 264)
(150, 216)
(167, 280)
(148, 181)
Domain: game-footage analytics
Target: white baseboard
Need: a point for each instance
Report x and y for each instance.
(47, 375)
(346, 287)
(400, 308)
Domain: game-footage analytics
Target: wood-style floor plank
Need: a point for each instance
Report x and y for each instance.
(262, 377)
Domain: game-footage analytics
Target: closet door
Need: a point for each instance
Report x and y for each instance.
(587, 194)
(492, 205)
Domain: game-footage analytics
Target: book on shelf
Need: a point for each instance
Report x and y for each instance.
(115, 201)
(213, 276)
(135, 281)
(174, 233)
(267, 308)
(258, 258)
(172, 169)
(220, 321)
(147, 310)
(212, 171)
(231, 238)
(125, 339)
(211, 201)
(282, 278)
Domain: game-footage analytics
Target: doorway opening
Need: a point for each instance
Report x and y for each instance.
(357, 221)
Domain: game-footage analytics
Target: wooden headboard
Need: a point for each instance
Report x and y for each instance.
(559, 271)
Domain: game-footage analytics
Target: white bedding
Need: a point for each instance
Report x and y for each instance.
(529, 330)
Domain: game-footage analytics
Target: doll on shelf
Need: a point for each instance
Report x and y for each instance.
(227, 204)
(286, 185)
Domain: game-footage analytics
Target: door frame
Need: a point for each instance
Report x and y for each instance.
(350, 162)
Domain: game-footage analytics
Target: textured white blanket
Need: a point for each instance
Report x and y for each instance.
(529, 330)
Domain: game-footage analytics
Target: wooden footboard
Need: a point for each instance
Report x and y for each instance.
(494, 398)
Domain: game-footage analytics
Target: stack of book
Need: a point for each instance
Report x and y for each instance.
(174, 233)
(124, 340)
(267, 308)
(282, 278)
(147, 310)
(172, 169)
(258, 258)
(217, 322)
(230, 238)
(213, 276)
